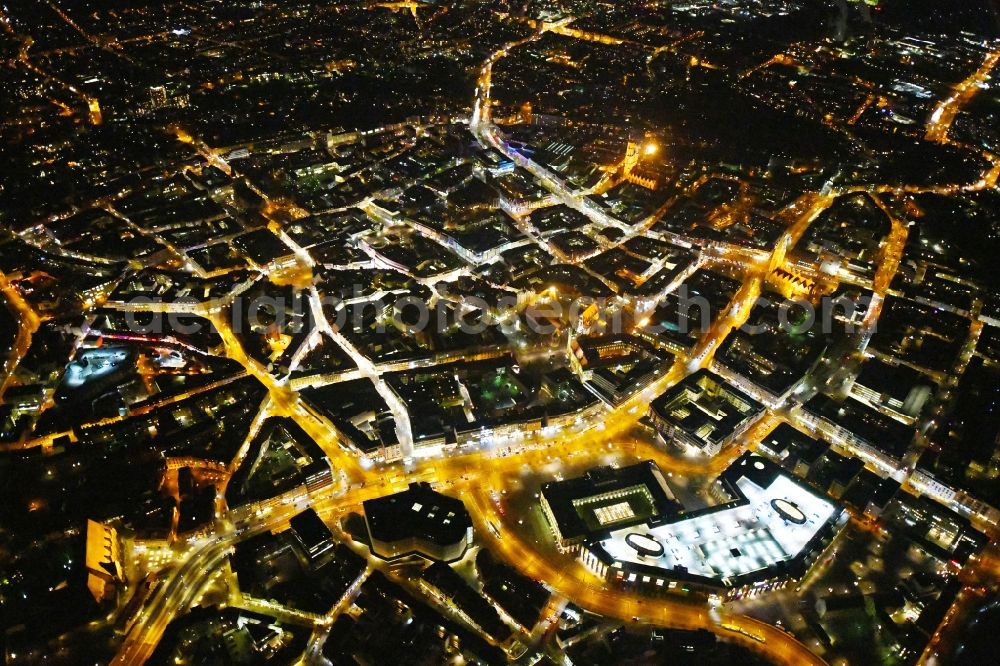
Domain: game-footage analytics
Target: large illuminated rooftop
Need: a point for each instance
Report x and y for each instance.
(774, 520)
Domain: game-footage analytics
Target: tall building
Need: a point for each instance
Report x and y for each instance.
(157, 97)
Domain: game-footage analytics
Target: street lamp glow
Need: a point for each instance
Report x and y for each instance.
(650, 149)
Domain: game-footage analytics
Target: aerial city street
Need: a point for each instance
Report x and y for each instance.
(568, 332)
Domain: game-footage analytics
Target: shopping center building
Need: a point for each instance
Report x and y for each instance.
(768, 530)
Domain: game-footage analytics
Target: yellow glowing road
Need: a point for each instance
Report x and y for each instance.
(184, 584)
(28, 322)
(944, 113)
(286, 402)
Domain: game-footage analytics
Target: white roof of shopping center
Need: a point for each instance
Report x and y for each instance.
(774, 526)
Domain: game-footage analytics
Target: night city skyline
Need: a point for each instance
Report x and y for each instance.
(571, 332)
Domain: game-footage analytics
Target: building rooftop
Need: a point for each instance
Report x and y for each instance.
(605, 498)
(865, 423)
(771, 522)
(706, 407)
(312, 532)
(417, 513)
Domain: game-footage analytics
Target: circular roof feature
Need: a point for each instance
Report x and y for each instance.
(644, 544)
(789, 511)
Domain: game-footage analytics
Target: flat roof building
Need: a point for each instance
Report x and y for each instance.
(604, 499)
(704, 412)
(418, 521)
(769, 529)
(313, 534)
